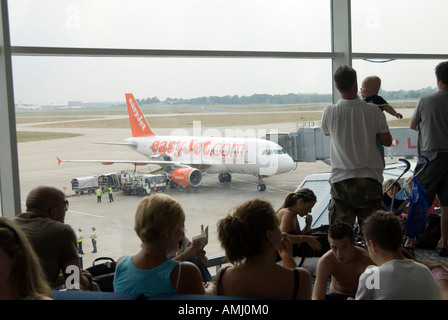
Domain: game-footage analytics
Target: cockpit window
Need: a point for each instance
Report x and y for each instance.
(273, 151)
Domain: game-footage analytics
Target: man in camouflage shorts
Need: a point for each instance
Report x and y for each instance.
(356, 163)
(354, 198)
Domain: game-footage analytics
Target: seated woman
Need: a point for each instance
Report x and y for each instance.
(299, 204)
(159, 223)
(250, 237)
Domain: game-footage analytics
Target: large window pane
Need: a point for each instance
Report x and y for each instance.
(50, 81)
(403, 82)
(285, 25)
(47, 80)
(400, 26)
(399, 74)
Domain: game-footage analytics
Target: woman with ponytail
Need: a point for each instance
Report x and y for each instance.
(299, 204)
(250, 237)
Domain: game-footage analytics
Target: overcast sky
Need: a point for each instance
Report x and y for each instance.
(278, 25)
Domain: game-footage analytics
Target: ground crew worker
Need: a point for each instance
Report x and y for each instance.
(80, 237)
(111, 197)
(98, 195)
(94, 238)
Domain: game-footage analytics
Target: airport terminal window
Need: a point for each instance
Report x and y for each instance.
(281, 25)
(90, 80)
(395, 85)
(223, 81)
(384, 26)
(272, 84)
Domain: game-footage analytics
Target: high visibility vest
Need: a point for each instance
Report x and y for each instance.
(94, 236)
(79, 237)
(110, 190)
(98, 192)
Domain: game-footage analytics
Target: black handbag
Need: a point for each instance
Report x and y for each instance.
(304, 250)
(103, 273)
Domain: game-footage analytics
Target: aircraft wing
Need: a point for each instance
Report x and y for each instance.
(165, 164)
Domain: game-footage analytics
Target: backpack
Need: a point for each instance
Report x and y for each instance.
(103, 273)
(418, 211)
(304, 250)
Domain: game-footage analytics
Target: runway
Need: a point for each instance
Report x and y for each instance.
(114, 222)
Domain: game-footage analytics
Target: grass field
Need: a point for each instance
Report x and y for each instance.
(26, 136)
(179, 116)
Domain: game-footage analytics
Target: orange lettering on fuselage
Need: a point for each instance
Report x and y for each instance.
(196, 147)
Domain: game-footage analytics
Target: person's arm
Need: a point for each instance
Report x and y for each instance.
(363, 293)
(311, 240)
(414, 125)
(323, 125)
(285, 252)
(286, 224)
(385, 138)
(85, 278)
(390, 110)
(69, 258)
(416, 116)
(190, 281)
(191, 250)
(308, 222)
(322, 275)
(383, 130)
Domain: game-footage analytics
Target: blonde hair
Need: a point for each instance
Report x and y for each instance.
(389, 182)
(27, 277)
(155, 215)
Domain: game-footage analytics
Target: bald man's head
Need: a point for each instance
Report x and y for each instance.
(44, 199)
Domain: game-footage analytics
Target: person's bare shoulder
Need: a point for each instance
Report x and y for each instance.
(328, 260)
(363, 256)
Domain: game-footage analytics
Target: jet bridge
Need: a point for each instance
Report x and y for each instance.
(309, 144)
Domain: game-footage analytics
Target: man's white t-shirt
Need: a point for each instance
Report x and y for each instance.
(353, 126)
(398, 280)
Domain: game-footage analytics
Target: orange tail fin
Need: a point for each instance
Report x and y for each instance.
(139, 125)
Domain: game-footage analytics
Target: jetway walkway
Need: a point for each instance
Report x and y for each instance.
(309, 144)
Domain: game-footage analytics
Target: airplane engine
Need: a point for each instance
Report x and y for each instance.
(187, 177)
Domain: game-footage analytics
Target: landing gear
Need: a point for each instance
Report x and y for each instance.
(261, 186)
(225, 177)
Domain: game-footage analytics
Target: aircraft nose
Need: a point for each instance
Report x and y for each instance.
(285, 164)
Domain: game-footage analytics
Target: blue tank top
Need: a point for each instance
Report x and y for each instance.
(152, 282)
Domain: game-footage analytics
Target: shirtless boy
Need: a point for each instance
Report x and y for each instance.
(344, 263)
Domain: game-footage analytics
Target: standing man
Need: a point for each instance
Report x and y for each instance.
(94, 238)
(430, 119)
(98, 195)
(80, 237)
(356, 164)
(111, 197)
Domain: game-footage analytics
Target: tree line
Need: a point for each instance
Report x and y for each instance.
(290, 98)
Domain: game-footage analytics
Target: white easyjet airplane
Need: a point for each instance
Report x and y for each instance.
(185, 158)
